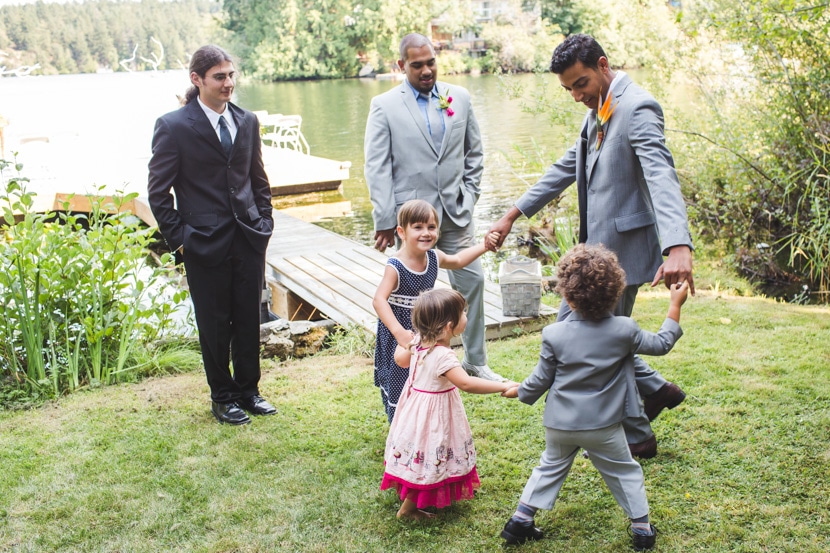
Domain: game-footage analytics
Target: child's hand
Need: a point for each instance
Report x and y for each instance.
(679, 293)
(512, 391)
(405, 339)
(403, 356)
(491, 241)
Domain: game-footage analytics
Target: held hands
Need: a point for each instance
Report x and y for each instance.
(677, 268)
(492, 241)
(512, 391)
(502, 228)
(679, 293)
(403, 351)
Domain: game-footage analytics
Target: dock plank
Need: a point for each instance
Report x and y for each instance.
(339, 277)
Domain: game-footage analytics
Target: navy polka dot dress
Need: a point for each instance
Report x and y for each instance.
(388, 375)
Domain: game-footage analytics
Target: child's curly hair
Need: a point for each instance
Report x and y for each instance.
(591, 280)
(434, 309)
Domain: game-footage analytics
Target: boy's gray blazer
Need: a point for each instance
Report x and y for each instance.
(588, 369)
(403, 164)
(629, 195)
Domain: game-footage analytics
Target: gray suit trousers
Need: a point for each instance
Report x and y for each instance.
(469, 282)
(607, 451)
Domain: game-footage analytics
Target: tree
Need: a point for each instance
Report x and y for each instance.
(764, 189)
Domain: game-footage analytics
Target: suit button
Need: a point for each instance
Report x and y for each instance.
(233, 190)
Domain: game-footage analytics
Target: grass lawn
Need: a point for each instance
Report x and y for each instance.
(743, 464)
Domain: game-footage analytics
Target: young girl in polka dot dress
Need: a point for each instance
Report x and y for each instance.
(410, 271)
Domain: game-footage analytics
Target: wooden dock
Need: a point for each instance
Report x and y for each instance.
(60, 172)
(337, 277)
(292, 172)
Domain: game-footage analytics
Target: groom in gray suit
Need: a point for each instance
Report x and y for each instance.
(629, 200)
(422, 142)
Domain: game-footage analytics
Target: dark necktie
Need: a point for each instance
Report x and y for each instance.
(225, 136)
(436, 125)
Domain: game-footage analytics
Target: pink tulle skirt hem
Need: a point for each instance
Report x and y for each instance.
(441, 494)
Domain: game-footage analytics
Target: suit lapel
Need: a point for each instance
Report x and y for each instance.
(243, 130)
(415, 112)
(582, 184)
(201, 125)
(610, 128)
(447, 124)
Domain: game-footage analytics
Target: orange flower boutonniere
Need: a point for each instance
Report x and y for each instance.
(604, 112)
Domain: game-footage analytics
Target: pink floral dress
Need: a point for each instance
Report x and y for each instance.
(430, 456)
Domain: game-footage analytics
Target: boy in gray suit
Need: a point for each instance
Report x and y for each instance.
(587, 368)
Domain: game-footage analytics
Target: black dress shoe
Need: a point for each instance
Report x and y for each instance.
(643, 542)
(516, 532)
(229, 413)
(644, 450)
(256, 405)
(667, 397)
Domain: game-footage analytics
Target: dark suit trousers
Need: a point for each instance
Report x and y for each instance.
(226, 299)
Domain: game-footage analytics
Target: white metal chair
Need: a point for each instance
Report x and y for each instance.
(289, 134)
(269, 124)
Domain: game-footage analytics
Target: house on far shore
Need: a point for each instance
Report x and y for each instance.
(527, 15)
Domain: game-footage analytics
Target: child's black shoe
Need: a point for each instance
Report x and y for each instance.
(519, 532)
(643, 542)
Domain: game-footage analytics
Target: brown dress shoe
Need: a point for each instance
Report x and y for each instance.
(644, 450)
(667, 397)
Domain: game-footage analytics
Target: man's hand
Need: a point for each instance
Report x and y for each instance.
(491, 241)
(676, 269)
(502, 228)
(384, 239)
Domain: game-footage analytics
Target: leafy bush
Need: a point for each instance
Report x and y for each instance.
(763, 187)
(80, 302)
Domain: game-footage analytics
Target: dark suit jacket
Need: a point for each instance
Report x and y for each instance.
(214, 194)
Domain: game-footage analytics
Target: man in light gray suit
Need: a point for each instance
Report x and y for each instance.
(629, 200)
(423, 142)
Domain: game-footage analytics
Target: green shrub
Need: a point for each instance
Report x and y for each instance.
(761, 182)
(79, 298)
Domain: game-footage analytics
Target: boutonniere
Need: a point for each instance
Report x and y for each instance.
(444, 103)
(604, 112)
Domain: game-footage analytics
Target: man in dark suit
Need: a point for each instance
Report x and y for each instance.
(209, 153)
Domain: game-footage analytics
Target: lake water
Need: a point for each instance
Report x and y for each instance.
(99, 128)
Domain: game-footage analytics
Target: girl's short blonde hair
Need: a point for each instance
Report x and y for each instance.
(416, 211)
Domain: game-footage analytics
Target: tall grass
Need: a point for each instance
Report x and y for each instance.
(78, 295)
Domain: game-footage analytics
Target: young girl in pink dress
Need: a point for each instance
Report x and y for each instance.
(430, 458)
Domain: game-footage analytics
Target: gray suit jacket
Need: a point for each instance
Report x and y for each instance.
(629, 195)
(402, 162)
(588, 366)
